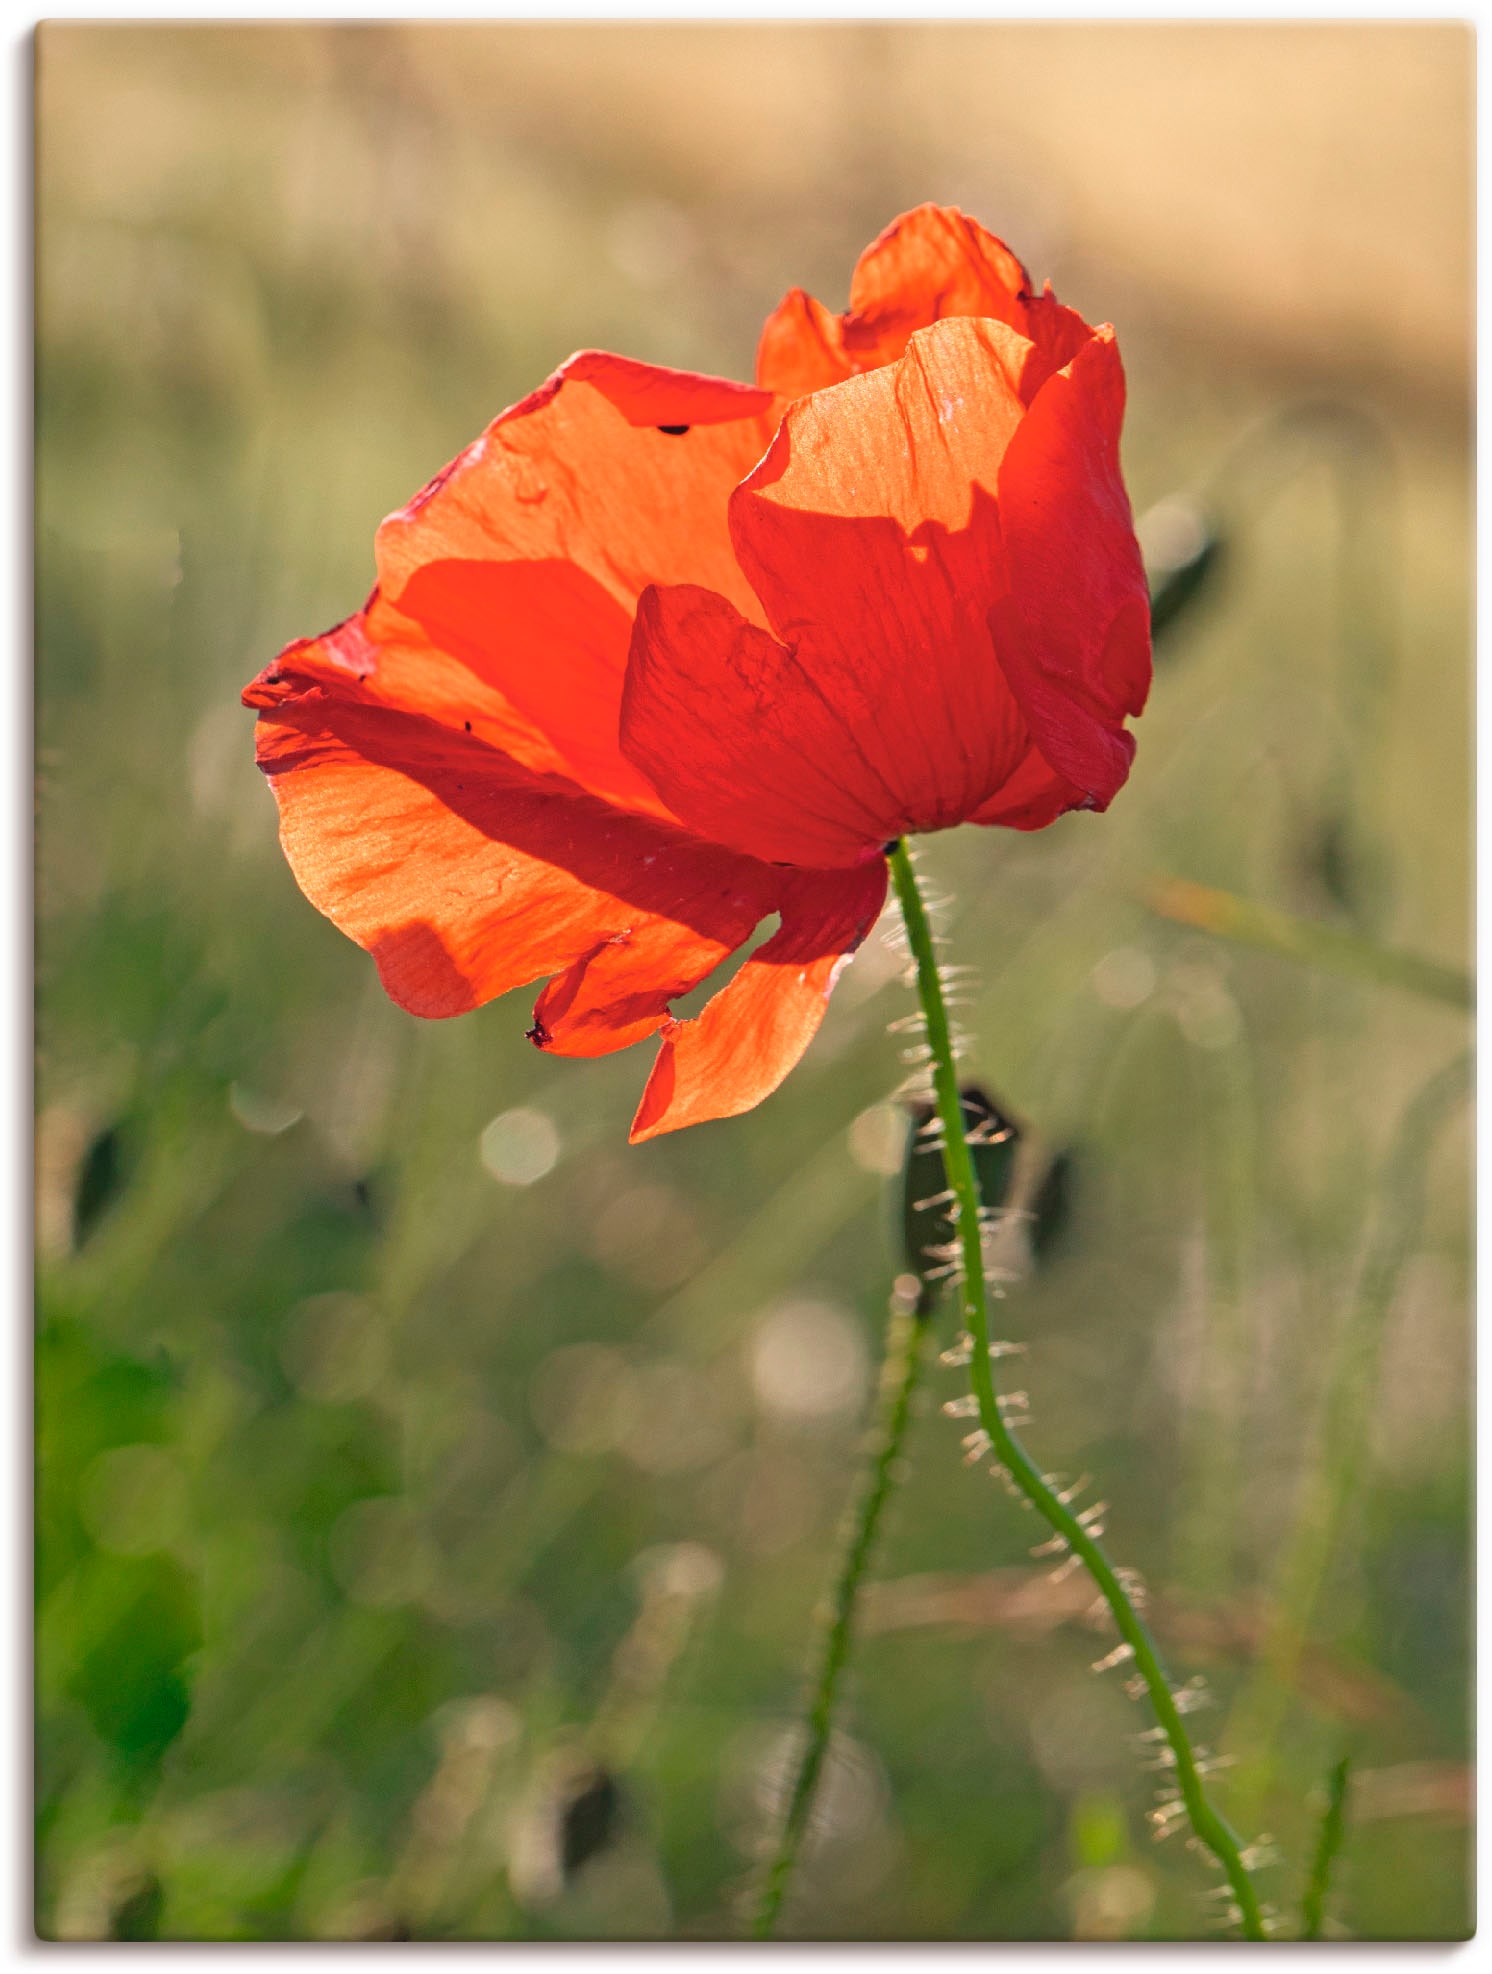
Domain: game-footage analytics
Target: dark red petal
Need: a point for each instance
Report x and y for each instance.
(1034, 796)
(871, 535)
(736, 735)
(755, 1030)
(1073, 631)
(555, 641)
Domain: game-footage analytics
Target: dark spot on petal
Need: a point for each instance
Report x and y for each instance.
(538, 1034)
(888, 849)
(674, 431)
(467, 725)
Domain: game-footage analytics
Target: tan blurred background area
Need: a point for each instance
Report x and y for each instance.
(1269, 181)
(435, 1494)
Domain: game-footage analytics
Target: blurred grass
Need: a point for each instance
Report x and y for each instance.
(411, 1452)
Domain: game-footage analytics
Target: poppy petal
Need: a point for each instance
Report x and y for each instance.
(801, 348)
(871, 535)
(465, 874)
(931, 263)
(747, 1039)
(382, 658)
(731, 729)
(1073, 630)
(1034, 796)
(523, 560)
(619, 992)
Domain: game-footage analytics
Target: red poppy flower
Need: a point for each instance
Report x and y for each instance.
(661, 655)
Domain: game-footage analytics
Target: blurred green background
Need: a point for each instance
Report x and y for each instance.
(434, 1493)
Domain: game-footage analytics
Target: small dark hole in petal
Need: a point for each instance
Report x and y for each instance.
(674, 431)
(467, 725)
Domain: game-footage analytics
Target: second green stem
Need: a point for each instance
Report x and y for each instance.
(904, 1345)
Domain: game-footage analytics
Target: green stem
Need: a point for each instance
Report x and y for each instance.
(899, 1372)
(1328, 1843)
(963, 1183)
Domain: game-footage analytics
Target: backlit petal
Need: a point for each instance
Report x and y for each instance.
(522, 562)
(619, 992)
(1034, 796)
(747, 1039)
(870, 533)
(932, 263)
(1073, 632)
(382, 658)
(466, 874)
(801, 348)
(732, 730)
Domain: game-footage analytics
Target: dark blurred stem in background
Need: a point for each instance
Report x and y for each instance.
(1331, 1477)
(1352, 869)
(1352, 864)
(1190, 536)
(905, 1337)
(1328, 1844)
(1364, 476)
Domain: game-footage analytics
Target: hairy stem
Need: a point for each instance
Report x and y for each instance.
(958, 1164)
(900, 1367)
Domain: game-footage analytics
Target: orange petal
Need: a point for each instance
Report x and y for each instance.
(935, 262)
(755, 1030)
(801, 348)
(929, 264)
(466, 874)
(619, 992)
(520, 565)
(1073, 632)
(380, 657)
